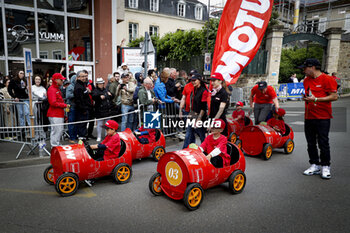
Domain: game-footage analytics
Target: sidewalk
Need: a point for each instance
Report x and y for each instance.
(9, 151)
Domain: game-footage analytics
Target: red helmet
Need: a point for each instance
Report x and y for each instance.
(281, 112)
(239, 103)
(111, 125)
(220, 123)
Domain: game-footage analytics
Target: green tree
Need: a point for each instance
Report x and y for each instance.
(291, 58)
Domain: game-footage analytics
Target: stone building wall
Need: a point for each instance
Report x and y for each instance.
(344, 64)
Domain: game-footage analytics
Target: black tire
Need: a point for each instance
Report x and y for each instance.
(232, 138)
(237, 181)
(193, 196)
(122, 173)
(267, 151)
(67, 184)
(157, 153)
(238, 143)
(289, 146)
(48, 175)
(154, 184)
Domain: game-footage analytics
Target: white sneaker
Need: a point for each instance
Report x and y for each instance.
(326, 172)
(312, 170)
(98, 139)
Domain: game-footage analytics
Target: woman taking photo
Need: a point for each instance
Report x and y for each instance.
(219, 98)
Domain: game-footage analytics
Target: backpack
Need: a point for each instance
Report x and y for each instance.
(136, 94)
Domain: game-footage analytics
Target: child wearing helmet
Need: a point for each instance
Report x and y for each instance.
(277, 122)
(238, 114)
(109, 148)
(215, 145)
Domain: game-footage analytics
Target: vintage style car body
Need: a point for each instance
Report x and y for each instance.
(261, 139)
(184, 174)
(72, 163)
(235, 129)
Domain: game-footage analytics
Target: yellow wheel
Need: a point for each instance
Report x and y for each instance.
(289, 146)
(233, 138)
(237, 181)
(48, 175)
(122, 173)
(267, 151)
(67, 184)
(158, 153)
(193, 196)
(239, 144)
(154, 184)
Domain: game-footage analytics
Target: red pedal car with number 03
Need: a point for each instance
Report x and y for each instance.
(71, 164)
(184, 174)
(261, 139)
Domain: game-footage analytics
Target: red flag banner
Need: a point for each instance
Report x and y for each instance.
(241, 29)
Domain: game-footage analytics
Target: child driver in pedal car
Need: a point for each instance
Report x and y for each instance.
(215, 145)
(109, 148)
(145, 136)
(277, 122)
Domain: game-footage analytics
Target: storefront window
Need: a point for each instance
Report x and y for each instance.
(1, 36)
(46, 70)
(51, 36)
(21, 2)
(79, 6)
(20, 32)
(51, 5)
(80, 39)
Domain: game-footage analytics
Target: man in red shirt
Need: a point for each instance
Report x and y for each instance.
(261, 99)
(320, 91)
(55, 112)
(109, 148)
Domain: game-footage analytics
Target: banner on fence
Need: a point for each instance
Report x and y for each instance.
(291, 90)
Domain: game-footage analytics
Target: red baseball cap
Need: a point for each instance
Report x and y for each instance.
(281, 112)
(217, 76)
(58, 76)
(219, 122)
(239, 103)
(111, 125)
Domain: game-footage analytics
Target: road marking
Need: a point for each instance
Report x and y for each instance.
(297, 123)
(294, 114)
(88, 193)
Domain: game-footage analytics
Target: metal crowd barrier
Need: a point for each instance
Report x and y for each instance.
(169, 113)
(12, 130)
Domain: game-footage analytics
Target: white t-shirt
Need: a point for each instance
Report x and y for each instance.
(149, 96)
(38, 92)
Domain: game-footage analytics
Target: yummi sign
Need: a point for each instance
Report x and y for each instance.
(241, 29)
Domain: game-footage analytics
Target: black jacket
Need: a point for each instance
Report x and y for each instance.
(81, 97)
(103, 107)
(170, 87)
(16, 90)
(198, 101)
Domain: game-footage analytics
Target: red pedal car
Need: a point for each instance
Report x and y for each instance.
(156, 149)
(235, 129)
(72, 163)
(184, 174)
(261, 139)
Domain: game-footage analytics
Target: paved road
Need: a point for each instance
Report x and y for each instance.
(277, 197)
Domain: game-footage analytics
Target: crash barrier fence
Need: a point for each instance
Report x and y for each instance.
(284, 92)
(169, 113)
(17, 125)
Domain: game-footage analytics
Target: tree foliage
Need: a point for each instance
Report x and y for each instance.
(291, 58)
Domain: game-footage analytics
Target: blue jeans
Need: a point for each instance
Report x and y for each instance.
(127, 120)
(191, 137)
(72, 129)
(23, 113)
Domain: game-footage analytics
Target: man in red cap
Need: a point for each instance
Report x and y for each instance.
(238, 114)
(215, 145)
(55, 112)
(109, 148)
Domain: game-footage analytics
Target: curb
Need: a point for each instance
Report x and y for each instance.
(24, 162)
